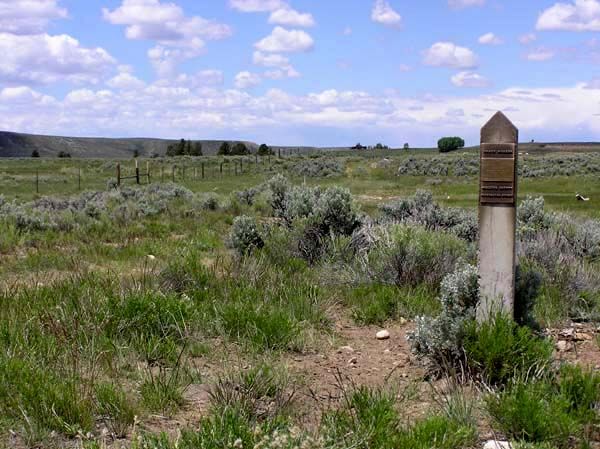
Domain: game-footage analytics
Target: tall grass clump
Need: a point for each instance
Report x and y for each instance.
(556, 408)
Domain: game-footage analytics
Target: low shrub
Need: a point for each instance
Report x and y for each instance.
(244, 235)
(411, 256)
(319, 168)
(558, 409)
(439, 341)
(499, 350)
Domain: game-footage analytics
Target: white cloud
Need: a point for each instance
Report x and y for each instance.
(208, 112)
(465, 3)
(540, 54)
(165, 23)
(384, 14)
(270, 60)
(404, 68)
(347, 31)
(283, 41)
(282, 65)
(42, 58)
(448, 54)
(244, 80)
(179, 37)
(287, 72)
(490, 39)
(125, 81)
(578, 15)
(28, 16)
(470, 79)
(25, 96)
(256, 5)
(528, 38)
(291, 17)
(593, 84)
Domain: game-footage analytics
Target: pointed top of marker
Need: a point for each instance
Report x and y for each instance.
(499, 129)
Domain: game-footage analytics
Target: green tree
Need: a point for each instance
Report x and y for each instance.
(447, 144)
(181, 148)
(64, 155)
(239, 149)
(264, 150)
(196, 149)
(35, 153)
(172, 150)
(406, 146)
(136, 153)
(224, 149)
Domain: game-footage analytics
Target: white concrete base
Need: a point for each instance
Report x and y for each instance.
(497, 261)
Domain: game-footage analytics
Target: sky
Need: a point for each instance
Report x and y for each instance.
(300, 72)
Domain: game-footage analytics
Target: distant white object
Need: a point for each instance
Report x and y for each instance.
(493, 444)
(383, 335)
(581, 198)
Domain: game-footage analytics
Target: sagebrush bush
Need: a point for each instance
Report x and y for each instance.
(411, 256)
(278, 188)
(336, 211)
(439, 341)
(319, 168)
(421, 209)
(244, 235)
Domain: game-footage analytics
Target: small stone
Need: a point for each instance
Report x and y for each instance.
(495, 444)
(403, 321)
(568, 333)
(563, 346)
(383, 335)
(353, 361)
(346, 349)
(386, 351)
(581, 336)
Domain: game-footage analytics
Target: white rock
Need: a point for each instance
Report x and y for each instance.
(563, 346)
(346, 349)
(382, 335)
(494, 444)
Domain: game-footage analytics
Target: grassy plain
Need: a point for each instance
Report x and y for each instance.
(121, 327)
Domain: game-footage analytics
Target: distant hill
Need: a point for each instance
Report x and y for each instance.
(22, 145)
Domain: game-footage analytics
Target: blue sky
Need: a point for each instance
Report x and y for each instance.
(300, 72)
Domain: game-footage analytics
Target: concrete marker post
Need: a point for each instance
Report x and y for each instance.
(497, 217)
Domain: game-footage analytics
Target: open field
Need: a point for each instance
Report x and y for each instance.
(153, 316)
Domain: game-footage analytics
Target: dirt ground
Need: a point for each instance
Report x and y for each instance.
(356, 357)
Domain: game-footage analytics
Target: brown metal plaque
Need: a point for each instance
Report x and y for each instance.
(498, 177)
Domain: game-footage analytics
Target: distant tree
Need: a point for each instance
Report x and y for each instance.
(136, 153)
(358, 146)
(171, 150)
(406, 146)
(181, 148)
(196, 149)
(264, 150)
(239, 149)
(64, 155)
(224, 149)
(35, 153)
(447, 144)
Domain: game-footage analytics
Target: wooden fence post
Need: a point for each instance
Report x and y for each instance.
(202, 170)
(137, 172)
(148, 171)
(173, 173)
(37, 181)
(118, 175)
(79, 179)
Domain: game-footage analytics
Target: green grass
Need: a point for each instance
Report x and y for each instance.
(93, 332)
